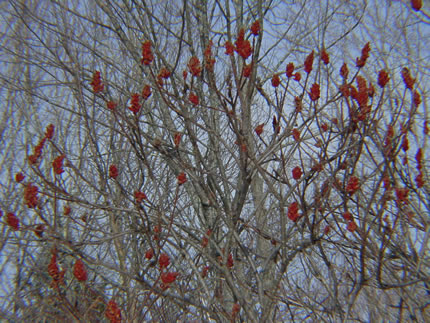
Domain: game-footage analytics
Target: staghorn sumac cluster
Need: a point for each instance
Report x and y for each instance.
(55, 273)
(419, 180)
(259, 129)
(57, 164)
(293, 212)
(79, 271)
(147, 56)
(325, 57)
(353, 185)
(30, 195)
(194, 99)
(96, 83)
(361, 61)
(146, 92)
(194, 66)
(243, 46)
(139, 196)
(182, 178)
(37, 153)
(135, 105)
(12, 221)
(113, 171)
(209, 59)
(297, 173)
(19, 177)
(113, 312)
(309, 61)
(417, 4)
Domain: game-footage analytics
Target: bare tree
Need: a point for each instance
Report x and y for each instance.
(214, 161)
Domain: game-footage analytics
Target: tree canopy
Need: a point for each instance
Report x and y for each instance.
(228, 161)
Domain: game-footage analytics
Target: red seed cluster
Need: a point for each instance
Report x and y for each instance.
(296, 134)
(177, 139)
(194, 66)
(309, 61)
(345, 90)
(229, 48)
(12, 221)
(289, 70)
(255, 28)
(182, 178)
(146, 92)
(314, 94)
(360, 62)
(416, 98)
(259, 129)
(19, 177)
(325, 57)
(37, 153)
(416, 4)
(209, 59)
(419, 158)
(205, 239)
(164, 73)
(420, 178)
(297, 173)
(235, 310)
(247, 69)
(79, 271)
(163, 261)
(353, 185)
(149, 254)
(139, 196)
(96, 82)
(57, 165)
(402, 195)
(243, 47)
(276, 81)
(168, 277)
(388, 147)
(344, 71)
(67, 210)
(135, 103)
(53, 271)
(230, 262)
(113, 171)
(362, 94)
(347, 216)
(293, 211)
(205, 271)
(111, 105)
(147, 56)
(383, 78)
(194, 99)
(30, 195)
(407, 78)
(351, 226)
(113, 312)
(49, 132)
